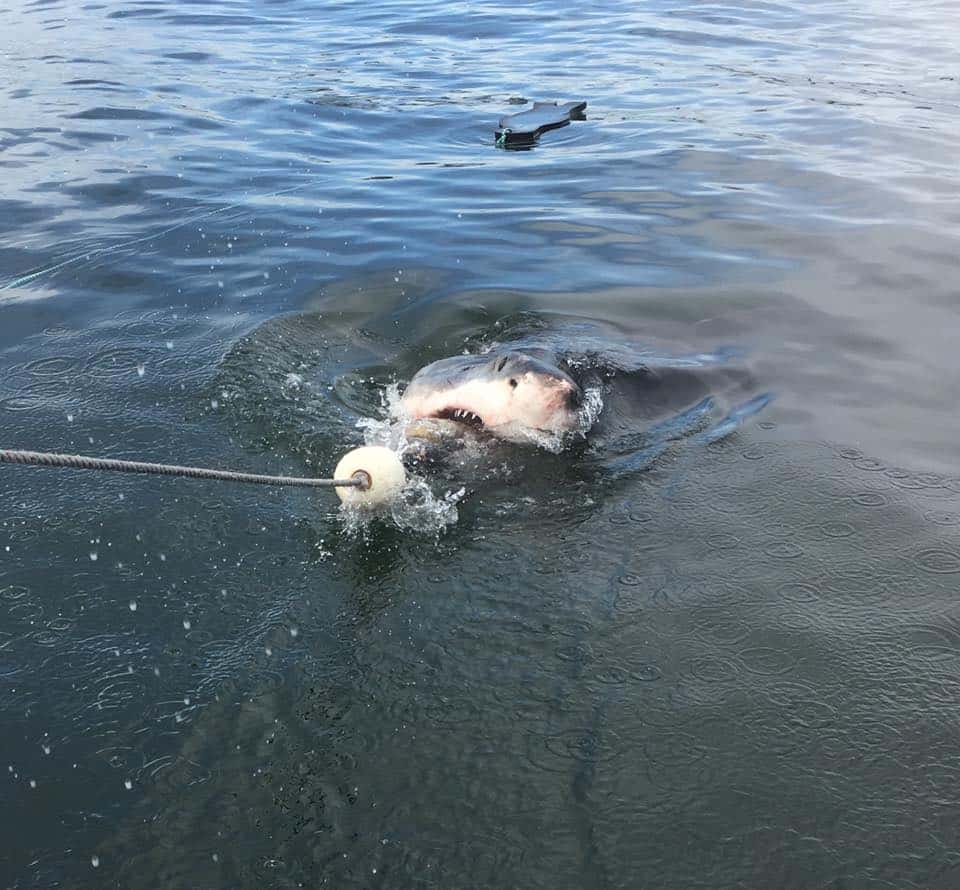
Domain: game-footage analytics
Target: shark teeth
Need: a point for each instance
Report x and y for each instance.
(461, 415)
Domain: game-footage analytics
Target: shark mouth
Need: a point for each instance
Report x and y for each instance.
(461, 415)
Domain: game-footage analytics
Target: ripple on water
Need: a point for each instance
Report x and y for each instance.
(711, 669)
(41, 396)
(837, 529)
(664, 708)
(637, 592)
(592, 746)
(724, 628)
(870, 499)
(938, 561)
(129, 362)
(801, 703)
(781, 550)
(767, 660)
(713, 591)
(612, 675)
(942, 517)
(53, 366)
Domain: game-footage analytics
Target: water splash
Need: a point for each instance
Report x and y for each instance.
(422, 509)
(417, 509)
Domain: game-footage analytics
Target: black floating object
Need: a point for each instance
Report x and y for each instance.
(525, 127)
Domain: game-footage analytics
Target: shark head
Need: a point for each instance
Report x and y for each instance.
(507, 393)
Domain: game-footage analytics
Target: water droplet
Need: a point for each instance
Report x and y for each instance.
(169, 344)
(214, 404)
(93, 556)
(133, 605)
(127, 784)
(141, 369)
(46, 749)
(268, 650)
(95, 861)
(293, 631)
(33, 783)
(163, 557)
(186, 624)
(69, 418)
(215, 857)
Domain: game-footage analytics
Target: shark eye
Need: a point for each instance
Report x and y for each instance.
(513, 382)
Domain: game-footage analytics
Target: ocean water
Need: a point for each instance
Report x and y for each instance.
(708, 646)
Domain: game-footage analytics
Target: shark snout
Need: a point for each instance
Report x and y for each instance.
(565, 393)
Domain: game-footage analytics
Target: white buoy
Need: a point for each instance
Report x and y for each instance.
(381, 469)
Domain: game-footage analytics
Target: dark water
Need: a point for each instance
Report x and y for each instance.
(650, 661)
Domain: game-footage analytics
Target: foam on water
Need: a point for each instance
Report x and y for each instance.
(427, 505)
(417, 509)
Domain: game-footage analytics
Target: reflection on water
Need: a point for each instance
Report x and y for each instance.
(653, 659)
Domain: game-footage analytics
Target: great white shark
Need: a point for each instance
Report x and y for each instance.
(507, 393)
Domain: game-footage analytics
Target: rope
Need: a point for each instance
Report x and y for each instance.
(79, 462)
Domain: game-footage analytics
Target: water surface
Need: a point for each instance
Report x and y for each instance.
(698, 665)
